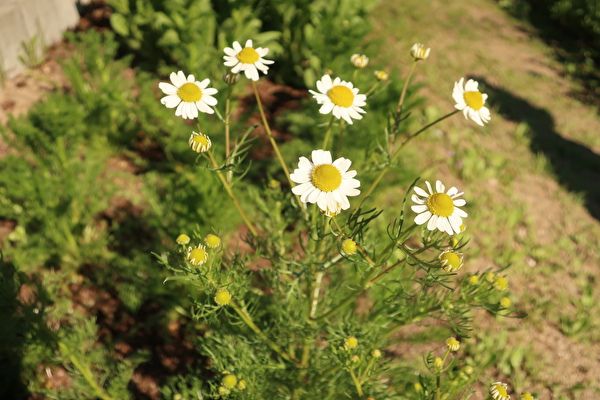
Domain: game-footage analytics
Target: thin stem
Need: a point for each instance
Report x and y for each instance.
(265, 123)
(405, 87)
(315, 294)
(328, 133)
(356, 382)
(229, 191)
(87, 374)
(397, 151)
(270, 134)
(227, 140)
(245, 316)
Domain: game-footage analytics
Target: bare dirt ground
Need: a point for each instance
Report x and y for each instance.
(535, 197)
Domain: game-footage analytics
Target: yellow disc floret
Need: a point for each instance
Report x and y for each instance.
(474, 279)
(183, 239)
(501, 283)
(453, 344)
(189, 92)
(440, 204)
(248, 55)
(223, 297)
(451, 260)
(474, 100)
(438, 362)
(229, 381)
(341, 96)
(527, 396)
(212, 241)
(351, 343)
(349, 247)
(326, 177)
(505, 302)
(197, 255)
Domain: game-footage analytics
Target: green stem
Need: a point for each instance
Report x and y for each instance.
(87, 374)
(232, 195)
(397, 151)
(328, 134)
(357, 384)
(405, 87)
(265, 123)
(245, 316)
(227, 129)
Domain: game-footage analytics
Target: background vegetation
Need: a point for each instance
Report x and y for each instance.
(98, 175)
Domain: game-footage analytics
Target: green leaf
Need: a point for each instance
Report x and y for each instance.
(119, 24)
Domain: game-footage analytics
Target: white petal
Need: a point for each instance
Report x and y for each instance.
(429, 187)
(321, 157)
(248, 43)
(419, 208)
(420, 192)
(459, 202)
(439, 187)
(326, 108)
(176, 79)
(432, 224)
(167, 88)
(237, 47)
(170, 101)
(422, 218)
(342, 164)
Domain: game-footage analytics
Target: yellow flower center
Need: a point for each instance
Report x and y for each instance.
(341, 96)
(198, 256)
(351, 343)
(189, 92)
(201, 140)
(326, 177)
(223, 297)
(440, 204)
(451, 260)
(502, 392)
(212, 241)
(474, 100)
(248, 55)
(229, 381)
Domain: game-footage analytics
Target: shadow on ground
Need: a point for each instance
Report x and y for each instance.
(576, 167)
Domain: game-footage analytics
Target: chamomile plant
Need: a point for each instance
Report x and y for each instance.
(304, 299)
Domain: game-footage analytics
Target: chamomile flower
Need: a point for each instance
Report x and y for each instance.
(453, 344)
(183, 239)
(439, 208)
(527, 396)
(451, 260)
(349, 247)
(499, 391)
(188, 95)
(359, 61)
(340, 98)
(471, 101)
(419, 52)
(325, 183)
(248, 59)
(199, 142)
(350, 343)
(381, 75)
(212, 240)
(223, 297)
(197, 255)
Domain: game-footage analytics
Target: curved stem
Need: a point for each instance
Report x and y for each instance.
(357, 383)
(397, 151)
(227, 129)
(245, 316)
(265, 124)
(405, 87)
(328, 134)
(232, 195)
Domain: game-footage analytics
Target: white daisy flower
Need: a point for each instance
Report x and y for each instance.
(199, 142)
(247, 59)
(340, 98)
(188, 95)
(326, 183)
(439, 208)
(499, 391)
(471, 101)
(419, 52)
(360, 61)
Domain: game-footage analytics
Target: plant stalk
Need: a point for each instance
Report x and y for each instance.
(232, 195)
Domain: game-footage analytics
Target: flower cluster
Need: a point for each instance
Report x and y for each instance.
(322, 182)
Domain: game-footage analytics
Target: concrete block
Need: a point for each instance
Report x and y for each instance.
(21, 20)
